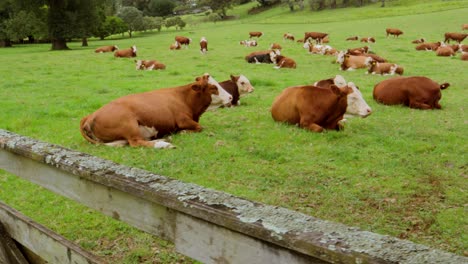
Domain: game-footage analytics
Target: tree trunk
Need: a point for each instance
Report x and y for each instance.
(383, 3)
(84, 42)
(59, 44)
(333, 4)
(4, 43)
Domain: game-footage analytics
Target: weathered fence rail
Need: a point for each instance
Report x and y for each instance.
(207, 225)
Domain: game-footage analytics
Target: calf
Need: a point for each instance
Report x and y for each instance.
(317, 36)
(445, 51)
(255, 34)
(428, 46)
(458, 37)
(416, 92)
(267, 56)
(175, 46)
(385, 68)
(418, 41)
(237, 86)
(288, 36)
(183, 41)
(149, 65)
(394, 31)
(351, 62)
(285, 62)
(249, 43)
(368, 39)
(106, 49)
(203, 45)
(126, 53)
(139, 119)
(357, 106)
(353, 38)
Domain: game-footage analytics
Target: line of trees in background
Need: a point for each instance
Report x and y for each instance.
(59, 21)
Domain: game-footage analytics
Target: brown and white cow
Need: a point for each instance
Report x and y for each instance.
(203, 45)
(275, 46)
(126, 53)
(353, 38)
(237, 86)
(322, 49)
(352, 62)
(445, 51)
(139, 119)
(175, 46)
(284, 62)
(149, 65)
(106, 49)
(464, 56)
(358, 51)
(393, 31)
(183, 40)
(357, 106)
(458, 37)
(428, 46)
(288, 36)
(416, 92)
(249, 43)
(255, 34)
(368, 39)
(419, 41)
(464, 27)
(265, 56)
(317, 36)
(384, 68)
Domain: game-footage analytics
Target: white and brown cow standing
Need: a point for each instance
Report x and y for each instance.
(393, 31)
(416, 92)
(126, 53)
(106, 49)
(140, 119)
(183, 41)
(237, 86)
(317, 36)
(203, 45)
(149, 65)
(458, 37)
(255, 34)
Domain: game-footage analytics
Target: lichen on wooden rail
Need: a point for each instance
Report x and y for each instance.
(275, 227)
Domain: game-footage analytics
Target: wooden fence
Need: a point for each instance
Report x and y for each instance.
(207, 225)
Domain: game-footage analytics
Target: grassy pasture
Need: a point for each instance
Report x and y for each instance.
(400, 172)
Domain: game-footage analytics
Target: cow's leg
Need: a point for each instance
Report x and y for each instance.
(187, 124)
(418, 105)
(307, 124)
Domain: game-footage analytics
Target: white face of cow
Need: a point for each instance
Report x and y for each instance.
(244, 85)
(220, 99)
(138, 64)
(340, 57)
(357, 106)
(134, 49)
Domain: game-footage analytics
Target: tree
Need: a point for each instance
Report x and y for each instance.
(161, 7)
(24, 24)
(175, 21)
(151, 23)
(268, 2)
(132, 17)
(219, 6)
(112, 25)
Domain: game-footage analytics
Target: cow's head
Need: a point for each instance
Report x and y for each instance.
(273, 55)
(243, 84)
(357, 106)
(340, 57)
(134, 49)
(115, 48)
(223, 98)
(139, 65)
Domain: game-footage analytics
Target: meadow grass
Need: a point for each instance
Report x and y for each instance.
(400, 172)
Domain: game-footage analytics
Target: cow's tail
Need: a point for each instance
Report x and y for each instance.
(444, 86)
(86, 130)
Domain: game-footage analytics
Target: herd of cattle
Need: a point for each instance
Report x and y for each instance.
(145, 119)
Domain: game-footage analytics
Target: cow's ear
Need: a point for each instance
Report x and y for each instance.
(335, 89)
(233, 78)
(196, 87)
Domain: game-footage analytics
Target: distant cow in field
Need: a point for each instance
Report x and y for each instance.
(249, 43)
(384, 68)
(267, 56)
(464, 56)
(353, 38)
(126, 53)
(140, 119)
(255, 34)
(317, 36)
(106, 49)
(368, 39)
(275, 46)
(149, 65)
(175, 46)
(352, 62)
(288, 36)
(203, 45)
(458, 37)
(445, 51)
(464, 26)
(416, 92)
(393, 31)
(418, 41)
(285, 62)
(358, 51)
(183, 40)
(322, 49)
(237, 86)
(428, 46)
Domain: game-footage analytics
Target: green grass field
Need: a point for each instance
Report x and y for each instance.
(401, 172)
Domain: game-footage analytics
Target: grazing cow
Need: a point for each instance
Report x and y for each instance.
(368, 39)
(255, 34)
(384, 68)
(418, 41)
(394, 31)
(458, 37)
(353, 38)
(183, 40)
(126, 53)
(285, 62)
(266, 56)
(237, 86)
(275, 46)
(445, 51)
(106, 49)
(428, 46)
(464, 56)
(175, 46)
(464, 26)
(358, 51)
(249, 43)
(357, 106)
(139, 119)
(203, 45)
(352, 62)
(149, 65)
(317, 36)
(416, 92)
(288, 36)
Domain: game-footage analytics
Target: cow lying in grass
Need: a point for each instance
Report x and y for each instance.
(126, 53)
(149, 65)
